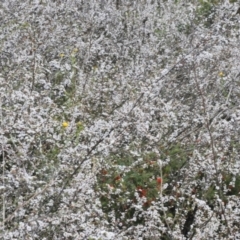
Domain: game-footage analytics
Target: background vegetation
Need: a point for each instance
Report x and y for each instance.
(119, 119)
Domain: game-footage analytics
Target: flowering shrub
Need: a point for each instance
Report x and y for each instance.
(119, 119)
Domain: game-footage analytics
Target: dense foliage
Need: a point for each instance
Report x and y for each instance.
(120, 119)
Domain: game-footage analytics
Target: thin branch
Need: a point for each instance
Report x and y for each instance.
(3, 175)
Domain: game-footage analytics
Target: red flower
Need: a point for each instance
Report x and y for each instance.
(117, 178)
(159, 180)
(142, 192)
